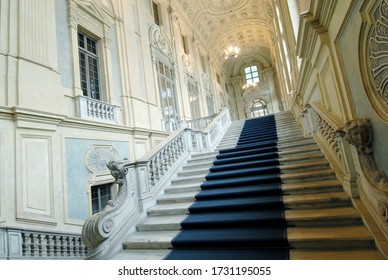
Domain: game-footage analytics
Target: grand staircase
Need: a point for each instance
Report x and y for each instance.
(321, 222)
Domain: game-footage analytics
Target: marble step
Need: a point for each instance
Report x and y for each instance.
(293, 202)
(188, 179)
(330, 237)
(194, 166)
(142, 254)
(308, 176)
(150, 240)
(312, 187)
(182, 188)
(339, 254)
(194, 171)
(304, 166)
(317, 217)
(171, 198)
(185, 193)
(316, 238)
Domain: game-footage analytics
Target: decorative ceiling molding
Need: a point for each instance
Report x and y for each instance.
(221, 23)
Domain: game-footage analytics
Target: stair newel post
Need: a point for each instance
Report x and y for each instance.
(187, 141)
(142, 181)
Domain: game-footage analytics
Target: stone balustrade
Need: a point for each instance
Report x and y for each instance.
(28, 244)
(141, 181)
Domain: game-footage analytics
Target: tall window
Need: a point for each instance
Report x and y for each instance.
(155, 12)
(210, 104)
(194, 99)
(251, 75)
(89, 68)
(101, 194)
(167, 92)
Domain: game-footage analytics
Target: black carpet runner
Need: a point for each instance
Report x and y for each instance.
(239, 213)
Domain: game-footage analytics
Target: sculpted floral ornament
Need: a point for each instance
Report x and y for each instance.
(359, 133)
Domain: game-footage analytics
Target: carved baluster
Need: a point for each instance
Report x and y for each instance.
(40, 245)
(151, 172)
(62, 246)
(176, 148)
(169, 155)
(74, 246)
(49, 245)
(26, 249)
(165, 159)
(34, 245)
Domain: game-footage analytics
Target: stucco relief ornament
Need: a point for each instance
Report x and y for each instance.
(97, 158)
(359, 134)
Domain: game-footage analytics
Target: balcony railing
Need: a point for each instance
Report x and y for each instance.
(96, 110)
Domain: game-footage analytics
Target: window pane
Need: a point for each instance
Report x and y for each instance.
(167, 72)
(161, 68)
(100, 196)
(81, 39)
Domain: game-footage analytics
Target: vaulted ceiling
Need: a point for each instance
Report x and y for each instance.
(247, 24)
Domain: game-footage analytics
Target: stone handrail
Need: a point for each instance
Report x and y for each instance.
(348, 147)
(196, 124)
(139, 182)
(328, 124)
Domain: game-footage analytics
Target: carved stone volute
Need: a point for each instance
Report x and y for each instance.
(101, 225)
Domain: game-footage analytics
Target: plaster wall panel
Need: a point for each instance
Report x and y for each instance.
(35, 187)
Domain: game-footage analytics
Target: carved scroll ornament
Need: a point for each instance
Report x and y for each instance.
(359, 133)
(101, 225)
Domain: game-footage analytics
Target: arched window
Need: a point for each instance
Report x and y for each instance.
(251, 75)
(258, 108)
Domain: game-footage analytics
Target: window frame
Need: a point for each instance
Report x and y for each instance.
(89, 55)
(251, 76)
(164, 80)
(100, 204)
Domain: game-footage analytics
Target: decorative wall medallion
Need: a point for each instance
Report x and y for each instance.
(98, 156)
(374, 58)
(378, 52)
